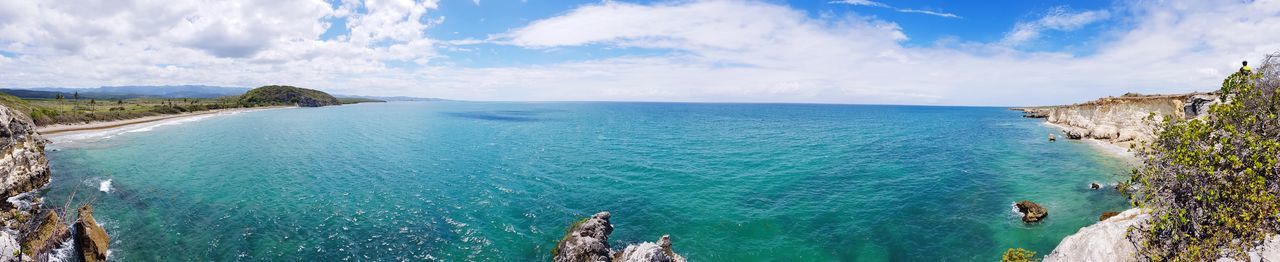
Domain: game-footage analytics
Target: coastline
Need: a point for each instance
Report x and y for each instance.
(100, 125)
(1117, 150)
(65, 132)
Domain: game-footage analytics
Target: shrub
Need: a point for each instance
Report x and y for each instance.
(1018, 255)
(1211, 184)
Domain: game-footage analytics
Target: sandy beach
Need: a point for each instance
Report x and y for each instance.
(61, 130)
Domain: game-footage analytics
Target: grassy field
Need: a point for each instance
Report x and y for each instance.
(73, 111)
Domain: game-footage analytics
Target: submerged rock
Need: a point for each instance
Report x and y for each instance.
(91, 240)
(588, 240)
(1106, 215)
(1031, 212)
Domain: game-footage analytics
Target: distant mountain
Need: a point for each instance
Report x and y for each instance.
(123, 92)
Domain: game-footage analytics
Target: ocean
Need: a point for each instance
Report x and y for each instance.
(501, 181)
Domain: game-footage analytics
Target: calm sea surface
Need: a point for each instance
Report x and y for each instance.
(460, 181)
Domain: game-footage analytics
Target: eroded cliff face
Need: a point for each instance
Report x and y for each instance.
(23, 166)
(1122, 119)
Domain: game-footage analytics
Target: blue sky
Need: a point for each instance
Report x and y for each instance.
(845, 51)
(978, 21)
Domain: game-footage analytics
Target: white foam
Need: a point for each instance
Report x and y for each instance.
(105, 186)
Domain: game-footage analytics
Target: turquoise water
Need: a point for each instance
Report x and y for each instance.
(500, 181)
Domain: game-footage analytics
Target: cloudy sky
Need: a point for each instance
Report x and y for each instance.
(847, 51)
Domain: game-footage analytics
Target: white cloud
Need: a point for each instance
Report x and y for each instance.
(903, 10)
(718, 51)
(1059, 19)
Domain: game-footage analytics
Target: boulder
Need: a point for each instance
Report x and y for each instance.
(1077, 133)
(1105, 132)
(1094, 186)
(1052, 138)
(44, 234)
(587, 240)
(1031, 212)
(91, 240)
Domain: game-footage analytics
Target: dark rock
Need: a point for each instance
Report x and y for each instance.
(91, 240)
(1106, 215)
(44, 234)
(1031, 212)
(1094, 186)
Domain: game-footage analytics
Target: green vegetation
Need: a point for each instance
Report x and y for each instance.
(287, 95)
(72, 111)
(1211, 183)
(68, 109)
(1018, 255)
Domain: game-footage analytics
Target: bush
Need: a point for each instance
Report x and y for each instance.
(1211, 184)
(1018, 255)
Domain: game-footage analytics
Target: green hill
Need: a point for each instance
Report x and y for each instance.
(282, 95)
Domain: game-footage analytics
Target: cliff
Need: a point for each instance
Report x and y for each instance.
(588, 241)
(23, 168)
(279, 95)
(1121, 119)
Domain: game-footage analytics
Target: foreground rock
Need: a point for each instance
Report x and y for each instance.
(44, 234)
(91, 239)
(588, 241)
(1108, 241)
(1031, 212)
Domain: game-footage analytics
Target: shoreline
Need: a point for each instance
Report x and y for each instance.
(1105, 147)
(61, 131)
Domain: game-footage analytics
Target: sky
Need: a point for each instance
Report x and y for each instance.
(913, 52)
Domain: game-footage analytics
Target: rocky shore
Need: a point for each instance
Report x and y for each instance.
(588, 241)
(31, 231)
(1121, 119)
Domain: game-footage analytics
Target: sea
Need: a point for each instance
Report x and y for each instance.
(501, 181)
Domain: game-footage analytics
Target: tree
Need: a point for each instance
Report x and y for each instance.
(1211, 184)
(76, 95)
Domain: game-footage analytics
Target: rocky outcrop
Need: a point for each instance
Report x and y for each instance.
(44, 234)
(1121, 119)
(1108, 241)
(649, 252)
(1031, 212)
(91, 239)
(588, 241)
(1103, 241)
